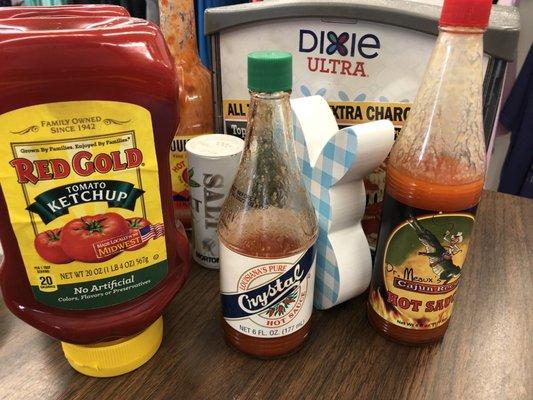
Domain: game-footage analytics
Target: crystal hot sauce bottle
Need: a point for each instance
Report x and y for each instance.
(195, 95)
(267, 226)
(434, 182)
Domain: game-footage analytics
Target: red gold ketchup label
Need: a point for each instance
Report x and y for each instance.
(421, 267)
(81, 184)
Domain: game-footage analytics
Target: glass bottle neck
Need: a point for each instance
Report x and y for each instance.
(179, 27)
(271, 121)
(270, 95)
(465, 42)
(268, 213)
(462, 30)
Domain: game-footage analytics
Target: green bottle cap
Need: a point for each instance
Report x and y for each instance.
(269, 71)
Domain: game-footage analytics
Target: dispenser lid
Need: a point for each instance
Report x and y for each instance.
(466, 13)
(103, 360)
(269, 71)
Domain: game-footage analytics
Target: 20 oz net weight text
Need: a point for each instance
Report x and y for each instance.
(106, 270)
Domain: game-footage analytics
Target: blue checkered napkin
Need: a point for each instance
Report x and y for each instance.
(335, 160)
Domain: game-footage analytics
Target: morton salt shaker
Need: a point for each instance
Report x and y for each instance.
(213, 162)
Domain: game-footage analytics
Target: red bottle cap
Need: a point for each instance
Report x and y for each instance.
(467, 13)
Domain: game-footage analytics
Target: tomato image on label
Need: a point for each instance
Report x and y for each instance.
(80, 236)
(185, 176)
(178, 168)
(48, 246)
(184, 195)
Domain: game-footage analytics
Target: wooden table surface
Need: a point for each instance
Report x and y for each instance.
(487, 352)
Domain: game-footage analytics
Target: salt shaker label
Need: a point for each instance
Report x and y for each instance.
(213, 161)
(267, 298)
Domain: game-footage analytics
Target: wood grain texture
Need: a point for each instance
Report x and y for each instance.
(486, 354)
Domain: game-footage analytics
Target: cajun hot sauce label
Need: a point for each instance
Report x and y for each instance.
(415, 281)
(81, 184)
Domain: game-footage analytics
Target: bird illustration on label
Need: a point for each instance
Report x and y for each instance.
(440, 258)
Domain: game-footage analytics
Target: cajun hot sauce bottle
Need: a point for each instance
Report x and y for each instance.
(195, 95)
(267, 226)
(434, 182)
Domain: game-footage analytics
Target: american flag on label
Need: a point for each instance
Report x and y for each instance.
(152, 232)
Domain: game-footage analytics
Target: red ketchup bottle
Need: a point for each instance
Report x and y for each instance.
(92, 256)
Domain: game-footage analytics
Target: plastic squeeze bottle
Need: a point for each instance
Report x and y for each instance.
(434, 181)
(92, 253)
(267, 226)
(195, 95)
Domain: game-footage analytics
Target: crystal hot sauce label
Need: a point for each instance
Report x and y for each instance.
(81, 185)
(267, 298)
(421, 267)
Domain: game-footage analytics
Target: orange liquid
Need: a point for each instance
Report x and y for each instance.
(444, 195)
(195, 96)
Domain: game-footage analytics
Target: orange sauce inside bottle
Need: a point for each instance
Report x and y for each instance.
(445, 194)
(195, 96)
(434, 183)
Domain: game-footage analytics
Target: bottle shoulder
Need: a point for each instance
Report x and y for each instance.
(442, 141)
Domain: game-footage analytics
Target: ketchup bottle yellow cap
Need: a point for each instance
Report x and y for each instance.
(103, 360)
